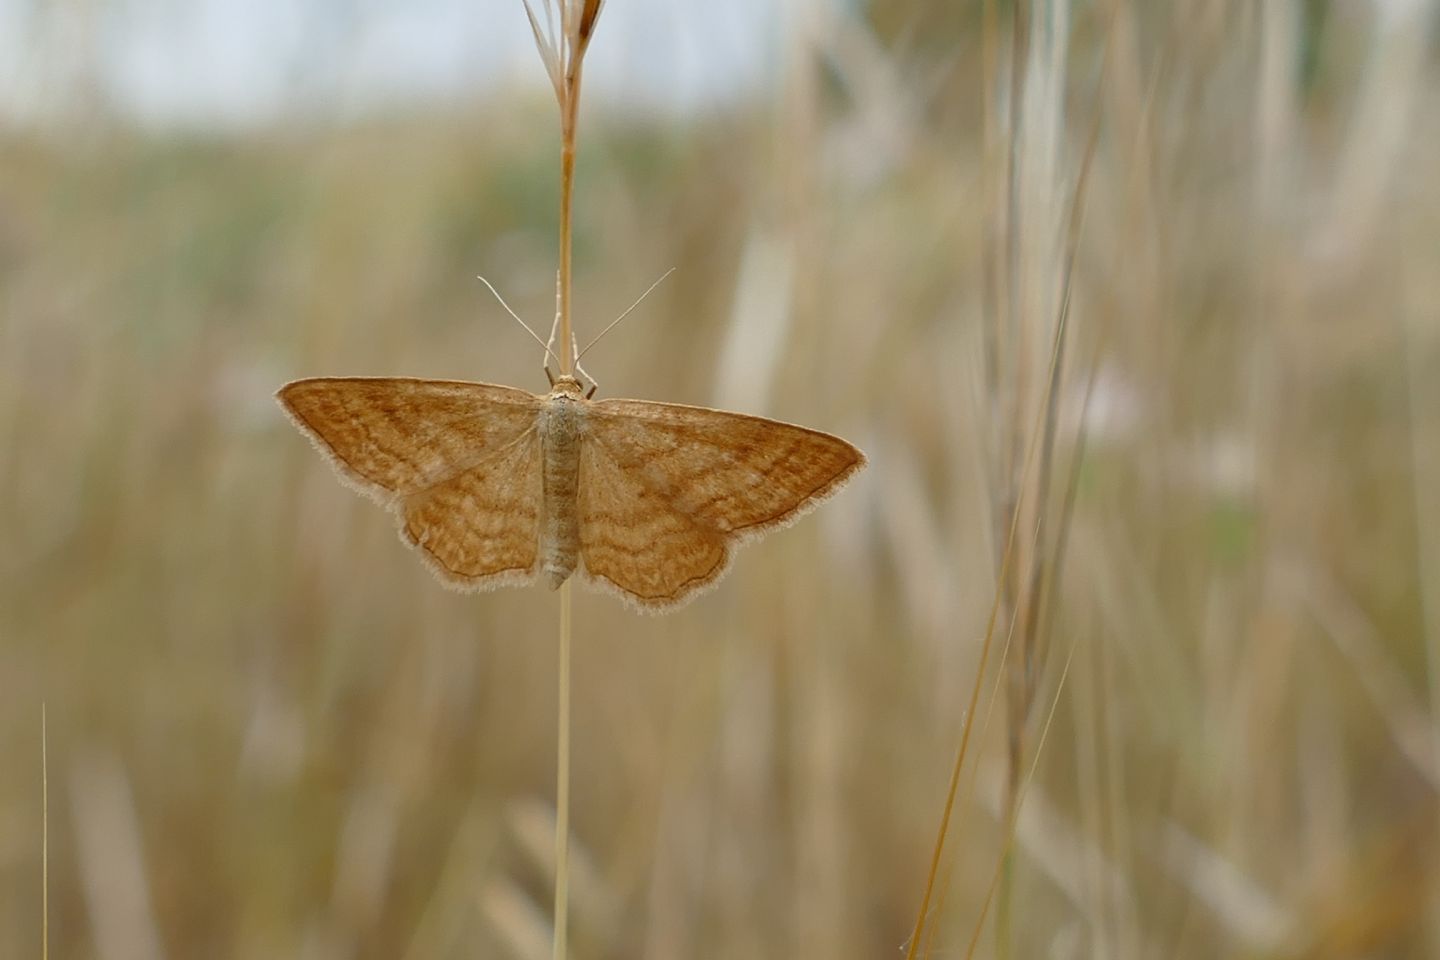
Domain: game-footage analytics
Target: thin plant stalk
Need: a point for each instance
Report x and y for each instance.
(44, 839)
(562, 782)
(567, 187)
(567, 359)
(564, 55)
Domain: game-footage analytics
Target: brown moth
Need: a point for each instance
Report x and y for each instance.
(497, 486)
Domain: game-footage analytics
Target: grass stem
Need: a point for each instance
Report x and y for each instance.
(44, 839)
(562, 781)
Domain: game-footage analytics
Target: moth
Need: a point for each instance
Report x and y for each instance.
(497, 486)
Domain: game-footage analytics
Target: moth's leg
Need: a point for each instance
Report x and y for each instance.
(551, 348)
(594, 384)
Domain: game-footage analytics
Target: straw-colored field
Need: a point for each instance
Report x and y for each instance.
(271, 733)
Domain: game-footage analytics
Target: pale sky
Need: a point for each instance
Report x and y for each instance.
(188, 62)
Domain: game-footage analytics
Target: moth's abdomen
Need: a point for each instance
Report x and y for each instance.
(559, 531)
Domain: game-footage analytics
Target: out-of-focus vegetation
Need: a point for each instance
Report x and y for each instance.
(272, 734)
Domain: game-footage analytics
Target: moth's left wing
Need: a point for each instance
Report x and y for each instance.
(458, 463)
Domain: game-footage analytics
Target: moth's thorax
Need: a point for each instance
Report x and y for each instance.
(566, 385)
(560, 423)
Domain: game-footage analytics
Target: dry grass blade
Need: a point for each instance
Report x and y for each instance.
(1045, 618)
(548, 54)
(585, 23)
(562, 47)
(1042, 442)
(967, 726)
(1013, 813)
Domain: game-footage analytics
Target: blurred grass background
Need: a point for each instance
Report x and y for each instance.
(272, 734)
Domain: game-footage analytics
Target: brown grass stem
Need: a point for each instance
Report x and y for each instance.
(44, 838)
(567, 189)
(562, 781)
(564, 56)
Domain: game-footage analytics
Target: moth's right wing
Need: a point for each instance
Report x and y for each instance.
(667, 491)
(459, 463)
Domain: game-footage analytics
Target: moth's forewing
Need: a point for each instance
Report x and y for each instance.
(453, 460)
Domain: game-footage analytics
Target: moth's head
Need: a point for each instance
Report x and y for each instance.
(568, 385)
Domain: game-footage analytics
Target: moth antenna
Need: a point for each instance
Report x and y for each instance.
(517, 319)
(625, 314)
